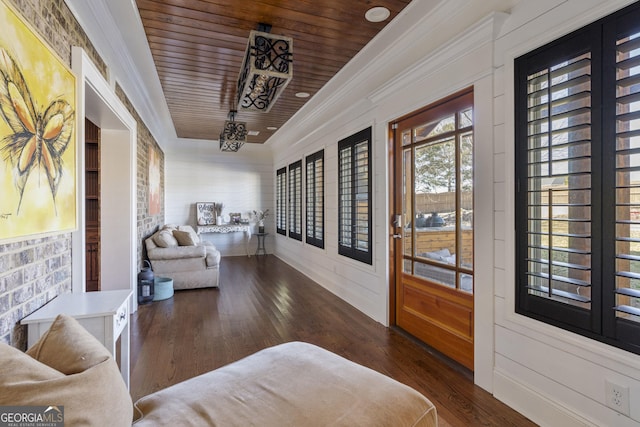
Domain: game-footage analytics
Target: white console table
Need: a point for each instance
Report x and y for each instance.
(104, 314)
(228, 228)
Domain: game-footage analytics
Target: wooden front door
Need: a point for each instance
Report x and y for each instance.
(432, 225)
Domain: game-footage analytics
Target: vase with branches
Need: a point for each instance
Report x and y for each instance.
(260, 216)
(218, 209)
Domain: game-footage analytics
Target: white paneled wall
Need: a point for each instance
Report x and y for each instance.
(552, 376)
(242, 181)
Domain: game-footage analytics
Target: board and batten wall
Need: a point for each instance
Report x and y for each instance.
(242, 181)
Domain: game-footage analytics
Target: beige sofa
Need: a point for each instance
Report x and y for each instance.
(292, 384)
(177, 252)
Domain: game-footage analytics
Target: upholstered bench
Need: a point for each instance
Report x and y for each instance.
(292, 384)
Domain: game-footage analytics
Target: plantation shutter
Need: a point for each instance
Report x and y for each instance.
(346, 198)
(295, 200)
(556, 188)
(578, 181)
(315, 199)
(281, 201)
(627, 183)
(354, 196)
(361, 196)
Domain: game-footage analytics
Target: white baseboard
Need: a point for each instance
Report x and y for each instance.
(534, 405)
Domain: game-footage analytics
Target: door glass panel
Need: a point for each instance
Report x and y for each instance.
(406, 137)
(434, 128)
(435, 197)
(465, 118)
(407, 266)
(466, 200)
(436, 274)
(407, 205)
(466, 282)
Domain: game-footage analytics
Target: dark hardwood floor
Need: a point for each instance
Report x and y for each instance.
(261, 302)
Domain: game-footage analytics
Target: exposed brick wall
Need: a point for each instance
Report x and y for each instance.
(34, 271)
(146, 224)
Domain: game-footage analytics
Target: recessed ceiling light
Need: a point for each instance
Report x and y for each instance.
(253, 132)
(302, 95)
(271, 128)
(377, 14)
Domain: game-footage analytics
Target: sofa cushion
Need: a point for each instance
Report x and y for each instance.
(184, 238)
(176, 253)
(69, 368)
(165, 239)
(189, 229)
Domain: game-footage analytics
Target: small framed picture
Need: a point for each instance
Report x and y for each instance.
(235, 218)
(205, 213)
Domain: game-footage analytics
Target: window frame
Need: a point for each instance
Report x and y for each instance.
(314, 190)
(295, 200)
(351, 144)
(599, 322)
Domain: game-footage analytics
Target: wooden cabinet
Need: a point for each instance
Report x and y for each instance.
(92, 205)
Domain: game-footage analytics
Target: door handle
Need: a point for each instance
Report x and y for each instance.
(397, 236)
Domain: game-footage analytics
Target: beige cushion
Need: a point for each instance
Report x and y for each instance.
(165, 239)
(293, 384)
(191, 231)
(184, 238)
(69, 368)
(68, 347)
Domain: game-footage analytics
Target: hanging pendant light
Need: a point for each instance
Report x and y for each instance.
(234, 134)
(266, 71)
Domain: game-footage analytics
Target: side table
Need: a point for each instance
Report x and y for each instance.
(104, 314)
(261, 247)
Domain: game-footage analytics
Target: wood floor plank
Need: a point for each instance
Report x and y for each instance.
(262, 302)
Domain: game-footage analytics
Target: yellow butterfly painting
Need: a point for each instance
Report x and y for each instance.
(38, 138)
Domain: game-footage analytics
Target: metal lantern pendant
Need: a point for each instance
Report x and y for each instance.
(145, 284)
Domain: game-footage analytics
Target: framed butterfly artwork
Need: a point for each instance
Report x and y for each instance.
(37, 134)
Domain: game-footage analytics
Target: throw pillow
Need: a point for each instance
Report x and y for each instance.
(192, 232)
(184, 238)
(94, 394)
(165, 239)
(68, 347)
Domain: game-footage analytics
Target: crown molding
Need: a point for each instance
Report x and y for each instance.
(115, 29)
(406, 49)
(471, 39)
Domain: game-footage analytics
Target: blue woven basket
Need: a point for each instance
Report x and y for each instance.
(163, 288)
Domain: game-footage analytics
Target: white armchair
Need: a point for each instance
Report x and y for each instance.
(178, 253)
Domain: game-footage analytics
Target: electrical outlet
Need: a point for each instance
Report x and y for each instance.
(617, 397)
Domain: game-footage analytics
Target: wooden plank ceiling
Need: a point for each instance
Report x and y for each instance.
(198, 47)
